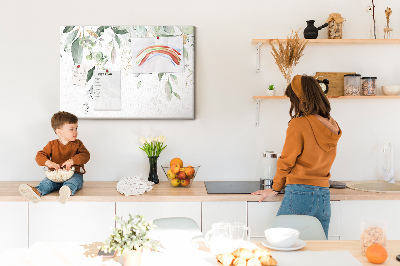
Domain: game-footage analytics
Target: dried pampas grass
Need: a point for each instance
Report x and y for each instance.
(287, 57)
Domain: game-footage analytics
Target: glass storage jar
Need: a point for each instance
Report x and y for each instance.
(352, 85)
(368, 86)
(373, 231)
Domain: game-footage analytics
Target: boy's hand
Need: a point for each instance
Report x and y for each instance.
(52, 165)
(68, 164)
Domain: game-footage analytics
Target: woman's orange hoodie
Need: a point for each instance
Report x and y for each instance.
(307, 155)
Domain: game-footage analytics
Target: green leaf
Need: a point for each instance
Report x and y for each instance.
(160, 75)
(101, 29)
(68, 29)
(174, 79)
(118, 40)
(139, 84)
(141, 31)
(77, 51)
(70, 38)
(169, 30)
(113, 54)
(90, 74)
(187, 29)
(168, 90)
(177, 95)
(118, 31)
(185, 54)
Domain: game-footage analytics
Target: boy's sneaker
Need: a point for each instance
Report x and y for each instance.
(30, 193)
(65, 192)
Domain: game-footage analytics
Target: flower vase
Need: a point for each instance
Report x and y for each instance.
(132, 258)
(153, 177)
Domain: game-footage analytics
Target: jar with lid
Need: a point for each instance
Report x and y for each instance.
(352, 85)
(270, 158)
(368, 86)
(373, 231)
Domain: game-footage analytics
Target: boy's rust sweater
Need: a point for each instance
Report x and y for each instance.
(57, 152)
(307, 155)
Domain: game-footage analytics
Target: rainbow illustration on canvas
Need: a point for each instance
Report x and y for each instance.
(158, 50)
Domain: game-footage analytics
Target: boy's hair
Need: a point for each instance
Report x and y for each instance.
(315, 100)
(62, 118)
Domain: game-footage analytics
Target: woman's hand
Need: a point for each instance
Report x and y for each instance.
(265, 193)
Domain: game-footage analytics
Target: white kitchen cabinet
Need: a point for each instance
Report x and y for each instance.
(334, 225)
(13, 225)
(354, 211)
(155, 210)
(261, 215)
(218, 211)
(72, 222)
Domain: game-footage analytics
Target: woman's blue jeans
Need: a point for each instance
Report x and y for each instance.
(308, 200)
(74, 183)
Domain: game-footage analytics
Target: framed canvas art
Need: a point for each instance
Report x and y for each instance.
(127, 72)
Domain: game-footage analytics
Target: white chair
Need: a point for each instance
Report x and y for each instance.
(179, 226)
(310, 227)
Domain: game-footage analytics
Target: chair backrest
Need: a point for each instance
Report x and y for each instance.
(178, 223)
(310, 227)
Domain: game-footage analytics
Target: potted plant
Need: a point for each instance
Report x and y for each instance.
(129, 238)
(271, 90)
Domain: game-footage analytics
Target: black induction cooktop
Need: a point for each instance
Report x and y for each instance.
(233, 187)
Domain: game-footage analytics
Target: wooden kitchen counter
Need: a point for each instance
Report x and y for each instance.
(105, 191)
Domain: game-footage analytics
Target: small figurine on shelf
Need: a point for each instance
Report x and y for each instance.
(335, 26)
(271, 90)
(387, 30)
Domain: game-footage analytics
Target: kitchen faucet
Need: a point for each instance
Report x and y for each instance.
(388, 174)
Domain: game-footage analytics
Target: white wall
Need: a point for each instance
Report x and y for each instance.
(222, 138)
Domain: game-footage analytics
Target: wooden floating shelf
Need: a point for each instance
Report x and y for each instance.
(331, 97)
(332, 41)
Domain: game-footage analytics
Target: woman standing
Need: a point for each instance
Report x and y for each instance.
(308, 153)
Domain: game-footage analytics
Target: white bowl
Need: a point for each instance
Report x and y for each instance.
(391, 90)
(282, 237)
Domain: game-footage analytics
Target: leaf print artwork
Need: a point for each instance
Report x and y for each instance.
(167, 86)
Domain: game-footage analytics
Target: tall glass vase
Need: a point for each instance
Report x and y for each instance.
(153, 177)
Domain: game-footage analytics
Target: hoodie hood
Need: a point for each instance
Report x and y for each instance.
(325, 138)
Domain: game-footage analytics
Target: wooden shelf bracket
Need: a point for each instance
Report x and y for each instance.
(258, 57)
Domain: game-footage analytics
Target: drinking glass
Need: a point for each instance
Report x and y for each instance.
(239, 233)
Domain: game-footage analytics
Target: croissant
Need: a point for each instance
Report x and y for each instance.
(226, 258)
(267, 261)
(258, 252)
(239, 262)
(253, 262)
(243, 253)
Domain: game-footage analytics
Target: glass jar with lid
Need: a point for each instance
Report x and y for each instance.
(352, 85)
(368, 86)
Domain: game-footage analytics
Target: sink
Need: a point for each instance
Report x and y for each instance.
(375, 186)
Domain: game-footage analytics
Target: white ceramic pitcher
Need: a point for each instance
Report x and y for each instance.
(218, 239)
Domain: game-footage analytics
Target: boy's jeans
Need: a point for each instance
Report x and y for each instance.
(74, 183)
(308, 200)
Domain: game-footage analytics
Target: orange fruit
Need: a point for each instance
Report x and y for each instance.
(176, 161)
(376, 254)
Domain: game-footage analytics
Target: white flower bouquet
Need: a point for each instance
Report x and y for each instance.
(153, 146)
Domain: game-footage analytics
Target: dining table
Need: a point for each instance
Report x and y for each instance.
(70, 253)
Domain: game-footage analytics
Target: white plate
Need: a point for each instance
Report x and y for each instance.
(298, 245)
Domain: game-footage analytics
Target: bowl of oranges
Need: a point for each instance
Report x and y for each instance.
(180, 174)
